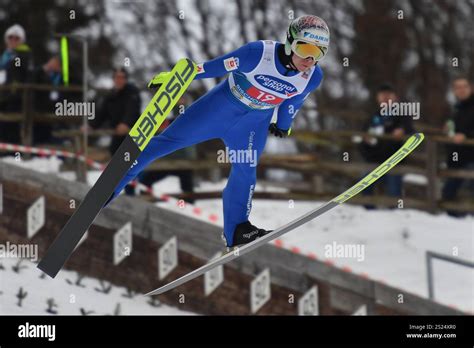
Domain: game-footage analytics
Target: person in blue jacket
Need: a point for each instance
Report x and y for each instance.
(264, 77)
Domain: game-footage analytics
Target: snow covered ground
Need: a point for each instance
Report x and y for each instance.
(392, 243)
(69, 298)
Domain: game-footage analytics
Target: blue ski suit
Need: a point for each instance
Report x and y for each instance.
(239, 113)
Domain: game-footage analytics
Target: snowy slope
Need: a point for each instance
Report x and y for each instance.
(68, 297)
(394, 241)
(63, 288)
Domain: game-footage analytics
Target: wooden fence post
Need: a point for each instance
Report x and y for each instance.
(27, 121)
(432, 175)
(81, 166)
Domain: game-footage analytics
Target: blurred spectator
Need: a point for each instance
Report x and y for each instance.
(119, 109)
(460, 126)
(14, 68)
(48, 74)
(377, 150)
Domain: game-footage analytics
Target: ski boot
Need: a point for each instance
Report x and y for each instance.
(244, 233)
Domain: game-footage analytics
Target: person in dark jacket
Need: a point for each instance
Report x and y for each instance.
(49, 73)
(15, 64)
(377, 150)
(120, 109)
(460, 127)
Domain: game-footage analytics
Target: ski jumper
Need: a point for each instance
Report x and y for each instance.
(239, 111)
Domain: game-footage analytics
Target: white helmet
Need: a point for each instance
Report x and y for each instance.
(306, 30)
(15, 30)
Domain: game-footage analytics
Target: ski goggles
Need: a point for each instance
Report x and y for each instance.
(304, 50)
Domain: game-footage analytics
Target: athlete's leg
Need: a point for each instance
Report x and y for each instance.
(249, 134)
(205, 119)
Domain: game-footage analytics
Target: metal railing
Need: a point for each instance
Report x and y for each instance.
(430, 255)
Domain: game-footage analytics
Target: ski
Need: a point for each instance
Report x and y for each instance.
(135, 142)
(411, 144)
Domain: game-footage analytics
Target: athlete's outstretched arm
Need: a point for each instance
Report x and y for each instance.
(288, 109)
(243, 59)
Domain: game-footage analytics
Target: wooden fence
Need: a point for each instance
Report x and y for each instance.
(318, 165)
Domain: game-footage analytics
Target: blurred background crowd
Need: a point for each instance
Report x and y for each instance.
(381, 51)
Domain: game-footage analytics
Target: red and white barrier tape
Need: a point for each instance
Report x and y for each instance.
(44, 152)
(51, 152)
